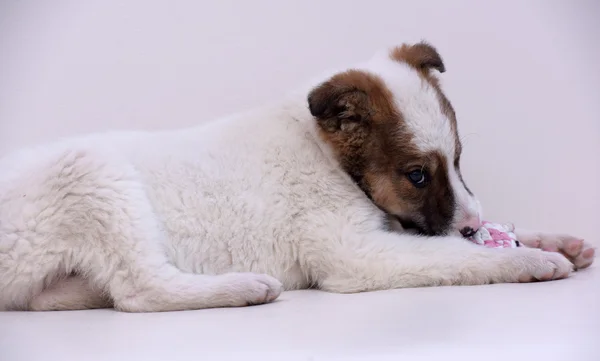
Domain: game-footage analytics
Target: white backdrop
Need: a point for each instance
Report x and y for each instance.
(524, 74)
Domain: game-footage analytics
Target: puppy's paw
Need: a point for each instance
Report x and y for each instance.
(514, 265)
(244, 289)
(576, 250)
(539, 265)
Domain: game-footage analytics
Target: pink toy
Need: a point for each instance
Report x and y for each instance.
(495, 235)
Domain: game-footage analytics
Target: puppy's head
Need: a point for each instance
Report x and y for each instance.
(394, 132)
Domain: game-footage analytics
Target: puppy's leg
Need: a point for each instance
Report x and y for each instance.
(579, 252)
(82, 212)
(379, 260)
(72, 293)
(127, 257)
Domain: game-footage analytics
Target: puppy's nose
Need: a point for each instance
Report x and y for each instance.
(469, 226)
(467, 232)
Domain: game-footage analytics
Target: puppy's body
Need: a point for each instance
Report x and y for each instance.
(220, 214)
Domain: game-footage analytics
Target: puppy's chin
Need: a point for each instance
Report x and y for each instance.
(454, 233)
(409, 226)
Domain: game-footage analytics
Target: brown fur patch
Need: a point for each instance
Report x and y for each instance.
(420, 56)
(357, 117)
(423, 57)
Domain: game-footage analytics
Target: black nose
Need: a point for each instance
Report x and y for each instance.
(467, 232)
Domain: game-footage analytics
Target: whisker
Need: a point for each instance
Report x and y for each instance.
(464, 138)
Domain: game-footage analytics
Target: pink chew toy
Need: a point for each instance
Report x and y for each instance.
(495, 235)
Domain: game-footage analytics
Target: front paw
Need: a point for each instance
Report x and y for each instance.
(535, 265)
(576, 250)
(515, 265)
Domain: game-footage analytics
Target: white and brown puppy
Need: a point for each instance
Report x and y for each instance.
(309, 192)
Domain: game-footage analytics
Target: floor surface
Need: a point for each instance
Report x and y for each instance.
(543, 321)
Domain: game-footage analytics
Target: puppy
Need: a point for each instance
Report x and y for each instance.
(318, 190)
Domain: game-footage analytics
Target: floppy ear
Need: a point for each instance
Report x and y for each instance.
(341, 102)
(421, 56)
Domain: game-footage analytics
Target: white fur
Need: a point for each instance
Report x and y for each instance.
(223, 214)
(468, 209)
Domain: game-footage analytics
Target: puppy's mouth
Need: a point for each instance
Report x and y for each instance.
(416, 227)
(411, 225)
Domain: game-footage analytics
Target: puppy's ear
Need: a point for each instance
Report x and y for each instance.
(342, 102)
(421, 56)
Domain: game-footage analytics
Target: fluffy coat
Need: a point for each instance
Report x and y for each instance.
(229, 213)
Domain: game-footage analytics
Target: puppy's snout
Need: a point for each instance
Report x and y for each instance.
(469, 226)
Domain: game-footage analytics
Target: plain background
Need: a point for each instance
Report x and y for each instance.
(522, 75)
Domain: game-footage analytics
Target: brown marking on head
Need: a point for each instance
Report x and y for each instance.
(357, 117)
(423, 57)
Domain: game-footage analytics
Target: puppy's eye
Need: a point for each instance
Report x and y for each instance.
(418, 178)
